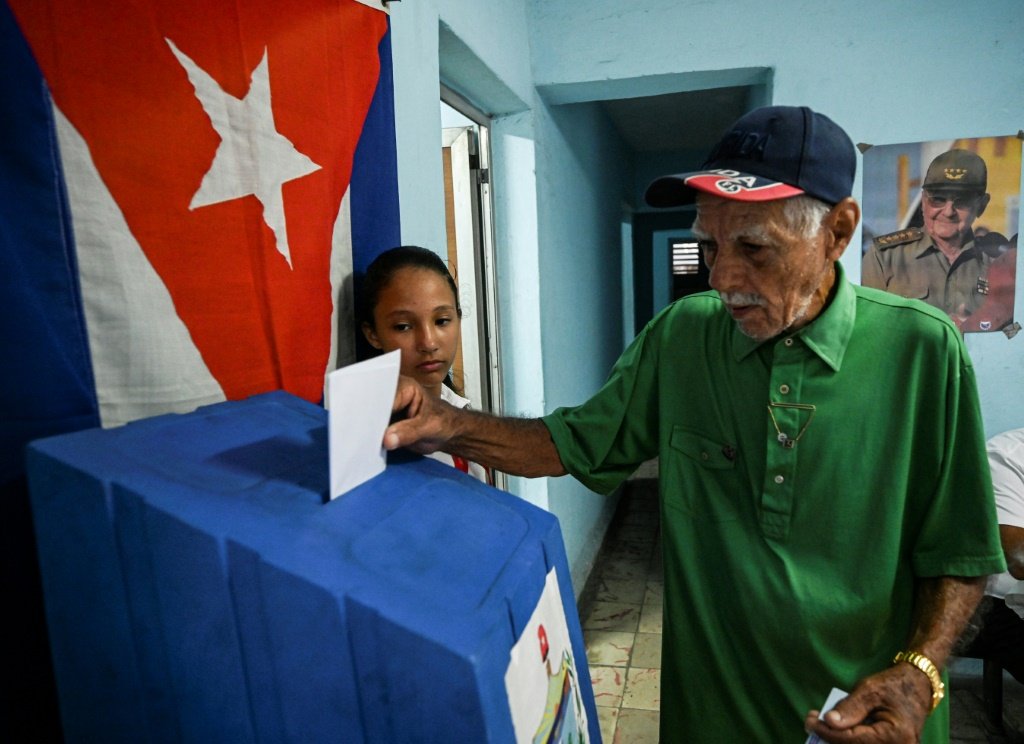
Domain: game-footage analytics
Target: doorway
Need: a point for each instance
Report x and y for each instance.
(465, 147)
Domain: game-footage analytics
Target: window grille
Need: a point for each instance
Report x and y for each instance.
(685, 257)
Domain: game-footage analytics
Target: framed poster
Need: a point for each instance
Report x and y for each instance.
(940, 225)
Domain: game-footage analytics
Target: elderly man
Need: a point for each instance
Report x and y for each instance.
(819, 528)
(943, 263)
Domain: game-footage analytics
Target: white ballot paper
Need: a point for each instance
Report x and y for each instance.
(359, 399)
(833, 697)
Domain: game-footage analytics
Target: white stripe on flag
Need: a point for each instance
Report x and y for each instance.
(144, 360)
(343, 349)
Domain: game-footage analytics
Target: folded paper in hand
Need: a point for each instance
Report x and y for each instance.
(833, 697)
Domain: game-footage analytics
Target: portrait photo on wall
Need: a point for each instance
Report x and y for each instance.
(940, 225)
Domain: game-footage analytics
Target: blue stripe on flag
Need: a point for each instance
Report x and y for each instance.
(46, 385)
(46, 382)
(374, 183)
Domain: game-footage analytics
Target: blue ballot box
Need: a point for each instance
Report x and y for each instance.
(200, 587)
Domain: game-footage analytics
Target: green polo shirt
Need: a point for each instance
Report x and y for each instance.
(790, 570)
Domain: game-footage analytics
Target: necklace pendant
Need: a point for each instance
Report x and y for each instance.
(784, 439)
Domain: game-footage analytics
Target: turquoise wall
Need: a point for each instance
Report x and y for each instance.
(887, 72)
(583, 182)
(560, 178)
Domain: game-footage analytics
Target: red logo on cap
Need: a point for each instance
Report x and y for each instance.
(738, 186)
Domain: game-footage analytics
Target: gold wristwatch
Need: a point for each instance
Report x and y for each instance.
(925, 664)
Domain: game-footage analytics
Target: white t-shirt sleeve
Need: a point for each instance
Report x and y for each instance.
(1006, 460)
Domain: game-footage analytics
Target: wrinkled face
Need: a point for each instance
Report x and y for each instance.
(770, 276)
(416, 313)
(949, 217)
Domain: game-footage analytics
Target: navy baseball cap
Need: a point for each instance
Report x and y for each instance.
(775, 152)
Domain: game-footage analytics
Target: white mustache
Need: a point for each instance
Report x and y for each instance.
(741, 298)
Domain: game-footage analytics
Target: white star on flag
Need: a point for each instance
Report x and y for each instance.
(253, 157)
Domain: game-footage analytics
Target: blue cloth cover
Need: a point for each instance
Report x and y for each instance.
(198, 587)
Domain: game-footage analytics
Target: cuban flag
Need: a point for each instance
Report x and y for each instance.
(186, 189)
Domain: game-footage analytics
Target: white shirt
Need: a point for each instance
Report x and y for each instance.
(1006, 460)
(475, 470)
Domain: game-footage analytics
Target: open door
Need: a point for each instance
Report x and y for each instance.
(471, 258)
(465, 154)
(461, 174)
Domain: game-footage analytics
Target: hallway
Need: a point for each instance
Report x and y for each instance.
(620, 610)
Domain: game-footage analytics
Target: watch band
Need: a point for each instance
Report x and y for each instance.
(924, 664)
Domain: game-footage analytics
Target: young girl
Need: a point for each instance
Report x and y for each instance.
(411, 303)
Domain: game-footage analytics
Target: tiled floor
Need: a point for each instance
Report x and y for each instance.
(621, 614)
(620, 608)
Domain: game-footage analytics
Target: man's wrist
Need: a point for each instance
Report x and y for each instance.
(925, 665)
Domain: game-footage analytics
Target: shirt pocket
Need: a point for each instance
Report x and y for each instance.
(704, 481)
(909, 285)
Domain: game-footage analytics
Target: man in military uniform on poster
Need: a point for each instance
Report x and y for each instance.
(943, 262)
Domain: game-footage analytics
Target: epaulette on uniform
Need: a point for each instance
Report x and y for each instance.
(890, 240)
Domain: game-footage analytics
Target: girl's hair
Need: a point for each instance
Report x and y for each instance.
(387, 264)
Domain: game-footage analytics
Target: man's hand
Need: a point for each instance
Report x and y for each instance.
(888, 707)
(426, 426)
(512, 445)
(892, 705)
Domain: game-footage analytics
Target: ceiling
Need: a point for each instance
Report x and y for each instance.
(694, 120)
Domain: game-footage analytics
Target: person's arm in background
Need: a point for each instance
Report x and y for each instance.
(1006, 461)
(1012, 539)
(511, 445)
(892, 705)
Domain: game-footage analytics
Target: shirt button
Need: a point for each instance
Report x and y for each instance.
(788, 342)
(783, 389)
(704, 456)
(779, 479)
